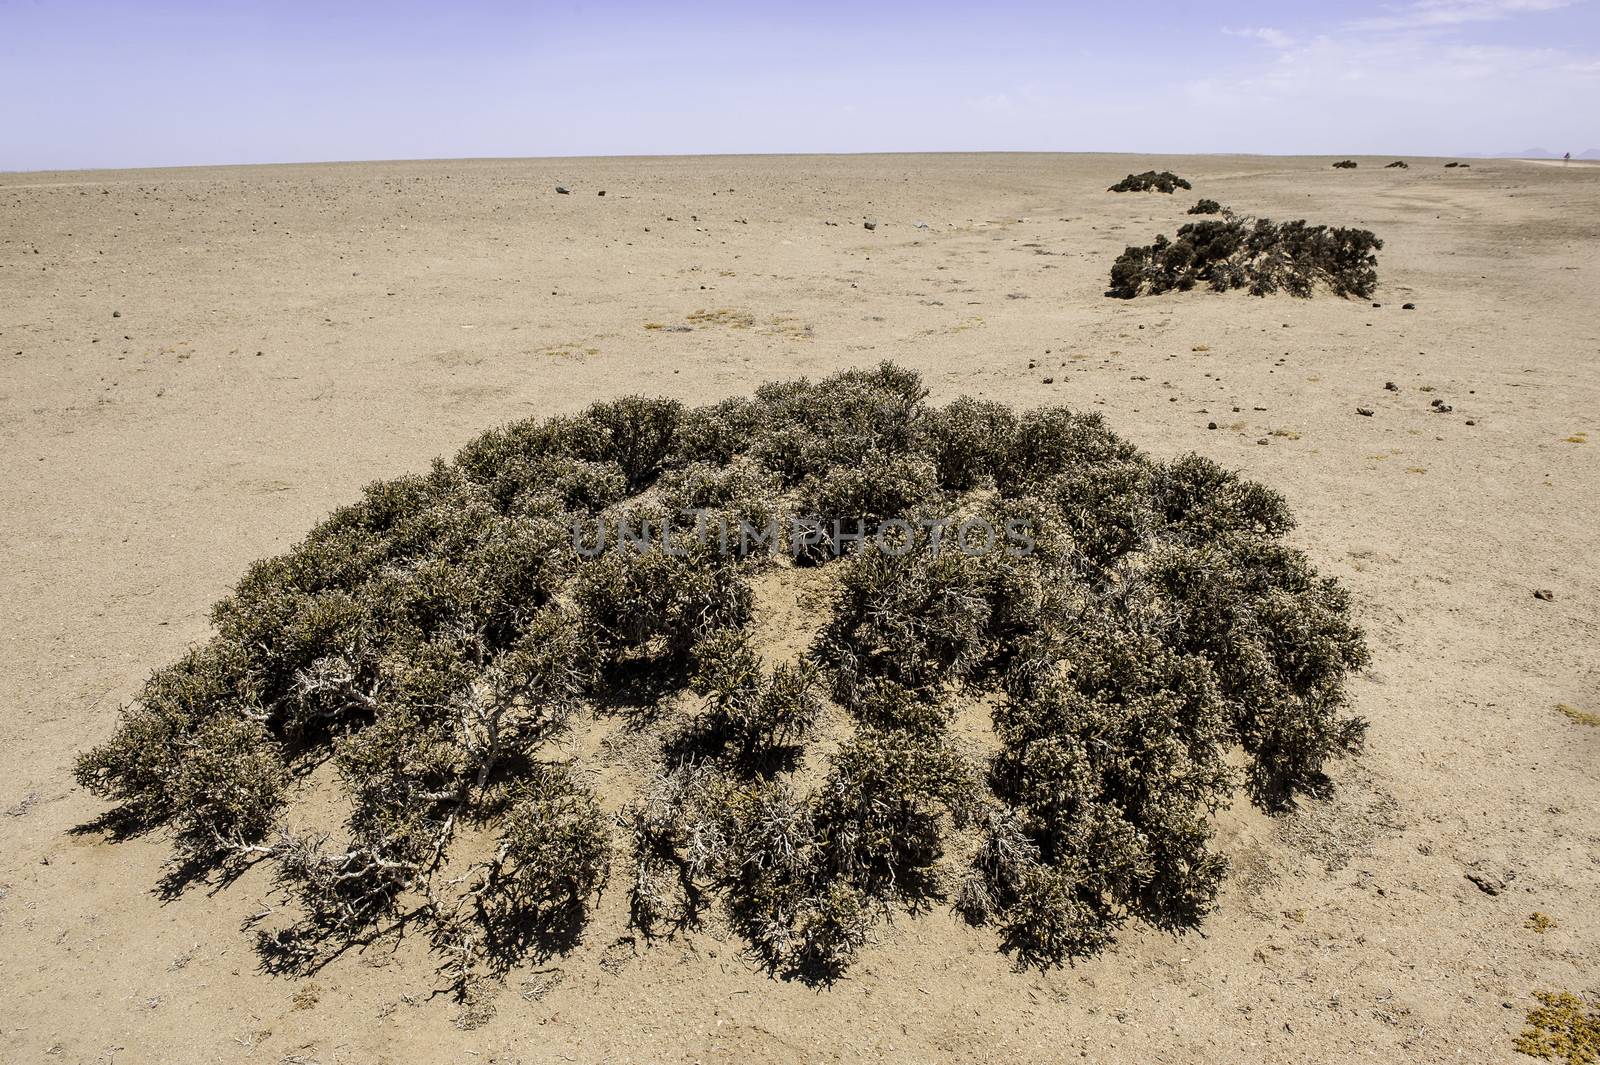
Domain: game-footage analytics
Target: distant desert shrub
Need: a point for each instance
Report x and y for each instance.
(1151, 181)
(1205, 206)
(1258, 255)
(1398, 164)
(1346, 164)
(417, 658)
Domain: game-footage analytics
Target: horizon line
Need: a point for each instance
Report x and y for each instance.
(777, 155)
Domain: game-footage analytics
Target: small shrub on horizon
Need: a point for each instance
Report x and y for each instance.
(1346, 164)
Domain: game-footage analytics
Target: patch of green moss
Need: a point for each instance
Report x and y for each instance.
(1561, 1028)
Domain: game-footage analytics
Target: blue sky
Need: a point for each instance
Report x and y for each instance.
(156, 84)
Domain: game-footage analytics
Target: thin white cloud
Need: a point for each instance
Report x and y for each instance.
(1443, 14)
(1265, 34)
(1431, 72)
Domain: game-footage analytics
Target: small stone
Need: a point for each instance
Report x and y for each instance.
(1263, 440)
(563, 190)
(1390, 386)
(1365, 412)
(1049, 380)
(1211, 425)
(1545, 595)
(602, 192)
(1408, 306)
(116, 314)
(1472, 421)
(869, 225)
(1377, 305)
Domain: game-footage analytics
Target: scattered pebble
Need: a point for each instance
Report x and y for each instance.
(1390, 386)
(869, 225)
(1544, 594)
(563, 190)
(1408, 306)
(1365, 412)
(1049, 380)
(1211, 425)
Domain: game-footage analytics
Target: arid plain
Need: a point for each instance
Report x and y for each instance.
(198, 364)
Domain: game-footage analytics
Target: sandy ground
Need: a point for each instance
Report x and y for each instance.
(197, 364)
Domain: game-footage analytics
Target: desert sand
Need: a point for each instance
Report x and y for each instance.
(200, 363)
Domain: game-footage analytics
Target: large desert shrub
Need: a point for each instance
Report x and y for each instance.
(418, 662)
(1256, 254)
(1151, 181)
